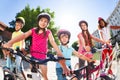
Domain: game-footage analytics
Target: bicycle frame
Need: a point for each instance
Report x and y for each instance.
(50, 57)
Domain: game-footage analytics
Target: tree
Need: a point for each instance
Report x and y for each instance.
(30, 16)
(75, 45)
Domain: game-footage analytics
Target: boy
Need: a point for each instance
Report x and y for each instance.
(19, 23)
(67, 51)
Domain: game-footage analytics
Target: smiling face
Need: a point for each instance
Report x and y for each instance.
(43, 22)
(18, 26)
(83, 26)
(102, 23)
(64, 38)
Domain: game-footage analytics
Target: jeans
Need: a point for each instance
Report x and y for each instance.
(19, 65)
(10, 63)
(59, 72)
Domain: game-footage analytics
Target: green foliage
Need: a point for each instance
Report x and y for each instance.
(75, 45)
(30, 16)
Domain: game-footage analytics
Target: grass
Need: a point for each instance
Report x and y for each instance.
(97, 56)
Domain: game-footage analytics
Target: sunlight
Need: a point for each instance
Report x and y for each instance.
(66, 20)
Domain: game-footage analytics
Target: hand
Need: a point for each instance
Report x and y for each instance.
(66, 70)
(7, 45)
(93, 61)
(87, 48)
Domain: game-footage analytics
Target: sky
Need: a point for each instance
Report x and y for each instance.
(68, 13)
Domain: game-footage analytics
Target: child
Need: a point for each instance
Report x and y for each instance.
(85, 41)
(64, 37)
(40, 36)
(20, 22)
(104, 31)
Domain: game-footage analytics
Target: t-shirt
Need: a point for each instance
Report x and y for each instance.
(81, 49)
(17, 44)
(106, 33)
(39, 45)
(67, 53)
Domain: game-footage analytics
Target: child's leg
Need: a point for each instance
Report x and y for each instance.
(44, 71)
(59, 72)
(18, 62)
(104, 53)
(110, 59)
(8, 61)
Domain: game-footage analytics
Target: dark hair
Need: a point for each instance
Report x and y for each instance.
(84, 36)
(21, 20)
(41, 15)
(99, 26)
(43, 29)
(83, 21)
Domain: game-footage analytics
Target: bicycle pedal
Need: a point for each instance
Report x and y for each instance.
(29, 75)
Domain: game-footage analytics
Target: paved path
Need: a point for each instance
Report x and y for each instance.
(51, 69)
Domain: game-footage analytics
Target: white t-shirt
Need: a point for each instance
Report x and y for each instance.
(106, 33)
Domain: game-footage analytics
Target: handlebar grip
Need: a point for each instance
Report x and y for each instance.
(62, 58)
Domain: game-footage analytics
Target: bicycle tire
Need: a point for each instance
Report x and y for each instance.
(8, 77)
(104, 78)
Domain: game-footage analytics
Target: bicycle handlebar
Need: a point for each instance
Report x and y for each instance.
(50, 57)
(115, 37)
(77, 72)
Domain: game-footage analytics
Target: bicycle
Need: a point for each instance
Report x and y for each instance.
(87, 71)
(12, 72)
(33, 62)
(116, 53)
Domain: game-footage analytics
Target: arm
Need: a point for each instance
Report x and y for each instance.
(18, 38)
(59, 53)
(81, 56)
(81, 40)
(97, 39)
(114, 27)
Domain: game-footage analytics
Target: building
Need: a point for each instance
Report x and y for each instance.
(97, 44)
(113, 19)
(4, 33)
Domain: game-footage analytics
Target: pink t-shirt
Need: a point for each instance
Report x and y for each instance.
(81, 49)
(39, 44)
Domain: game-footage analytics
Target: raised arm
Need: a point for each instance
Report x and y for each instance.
(114, 27)
(18, 38)
(98, 40)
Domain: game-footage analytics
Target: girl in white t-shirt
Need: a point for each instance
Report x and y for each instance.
(104, 31)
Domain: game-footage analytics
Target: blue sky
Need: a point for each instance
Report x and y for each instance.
(68, 13)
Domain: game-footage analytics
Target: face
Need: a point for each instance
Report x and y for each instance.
(64, 38)
(43, 22)
(84, 26)
(18, 26)
(102, 23)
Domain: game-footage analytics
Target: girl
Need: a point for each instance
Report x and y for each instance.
(40, 36)
(85, 41)
(104, 31)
